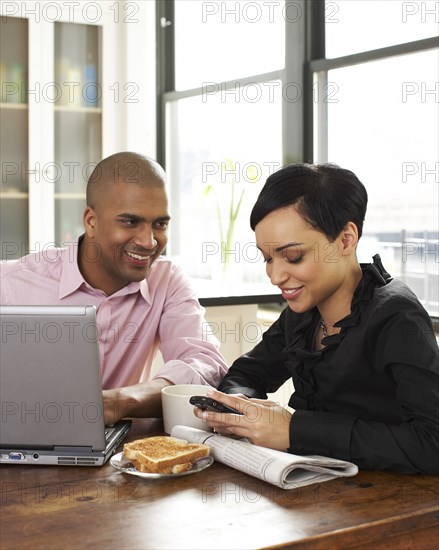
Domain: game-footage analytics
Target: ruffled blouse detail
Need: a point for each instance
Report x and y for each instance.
(302, 360)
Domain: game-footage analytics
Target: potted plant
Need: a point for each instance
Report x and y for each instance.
(228, 194)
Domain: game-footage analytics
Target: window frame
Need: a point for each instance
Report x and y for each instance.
(305, 59)
(304, 123)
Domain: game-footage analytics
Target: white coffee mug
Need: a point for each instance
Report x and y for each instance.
(177, 411)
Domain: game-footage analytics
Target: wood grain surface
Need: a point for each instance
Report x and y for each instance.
(45, 507)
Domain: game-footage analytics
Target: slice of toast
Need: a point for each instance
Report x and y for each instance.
(163, 454)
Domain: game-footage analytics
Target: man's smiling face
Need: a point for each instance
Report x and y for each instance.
(125, 232)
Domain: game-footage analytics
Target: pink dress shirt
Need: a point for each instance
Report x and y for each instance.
(160, 312)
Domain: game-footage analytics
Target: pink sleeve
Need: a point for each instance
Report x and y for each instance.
(190, 352)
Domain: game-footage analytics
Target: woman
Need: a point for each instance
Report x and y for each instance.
(357, 344)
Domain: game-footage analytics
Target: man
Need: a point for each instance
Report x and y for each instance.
(143, 301)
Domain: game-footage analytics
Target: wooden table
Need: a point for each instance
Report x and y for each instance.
(102, 508)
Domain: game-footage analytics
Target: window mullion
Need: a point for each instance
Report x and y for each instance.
(293, 89)
(165, 75)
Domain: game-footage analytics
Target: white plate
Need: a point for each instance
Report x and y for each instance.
(118, 461)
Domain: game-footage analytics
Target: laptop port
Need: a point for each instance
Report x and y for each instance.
(16, 456)
(35, 456)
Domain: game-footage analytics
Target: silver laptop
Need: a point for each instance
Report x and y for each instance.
(50, 388)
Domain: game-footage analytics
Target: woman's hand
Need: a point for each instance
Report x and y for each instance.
(262, 422)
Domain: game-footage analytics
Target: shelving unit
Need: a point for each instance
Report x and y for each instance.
(53, 88)
(14, 143)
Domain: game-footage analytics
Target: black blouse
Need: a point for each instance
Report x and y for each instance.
(371, 395)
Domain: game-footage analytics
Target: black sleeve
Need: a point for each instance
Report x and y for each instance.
(262, 370)
(403, 345)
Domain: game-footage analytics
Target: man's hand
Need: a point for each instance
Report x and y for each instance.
(115, 406)
(263, 422)
(139, 401)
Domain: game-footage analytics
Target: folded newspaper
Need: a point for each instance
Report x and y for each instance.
(285, 470)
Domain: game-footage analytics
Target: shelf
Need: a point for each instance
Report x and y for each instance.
(70, 196)
(75, 110)
(58, 108)
(58, 196)
(14, 106)
(14, 195)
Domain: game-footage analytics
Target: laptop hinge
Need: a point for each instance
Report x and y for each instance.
(71, 449)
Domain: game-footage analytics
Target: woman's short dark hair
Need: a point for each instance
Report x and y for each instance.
(327, 196)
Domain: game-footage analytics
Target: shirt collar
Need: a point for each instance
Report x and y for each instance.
(144, 290)
(71, 278)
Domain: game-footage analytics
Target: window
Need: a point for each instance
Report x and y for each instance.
(248, 86)
(378, 117)
(221, 41)
(223, 118)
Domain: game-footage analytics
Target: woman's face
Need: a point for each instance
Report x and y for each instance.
(308, 269)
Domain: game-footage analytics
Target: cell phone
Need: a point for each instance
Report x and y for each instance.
(208, 404)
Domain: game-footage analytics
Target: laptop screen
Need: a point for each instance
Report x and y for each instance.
(50, 379)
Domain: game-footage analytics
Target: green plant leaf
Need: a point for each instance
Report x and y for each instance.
(207, 190)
